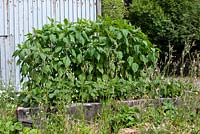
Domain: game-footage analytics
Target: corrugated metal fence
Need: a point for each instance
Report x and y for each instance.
(18, 17)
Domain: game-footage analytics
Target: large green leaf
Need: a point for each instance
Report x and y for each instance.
(66, 61)
(58, 49)
(135, 67)
(72, 38)
(119, 55)
(130, 60)
(53, 38)
(100, 68)
(80, 37)
(79, 58)
(144, 59)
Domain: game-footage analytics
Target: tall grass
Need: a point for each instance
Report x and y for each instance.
(8, 101)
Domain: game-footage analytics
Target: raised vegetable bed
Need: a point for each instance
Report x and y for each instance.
(28, 116)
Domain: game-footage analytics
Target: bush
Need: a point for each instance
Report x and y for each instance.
(173, 22)
(9, 125)
(60, 58)
(150, 17)
(114, 9)
(125, 117)
(27, 130)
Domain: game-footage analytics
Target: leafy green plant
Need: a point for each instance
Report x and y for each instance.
(166, 118)
(8, 104)
(28, 130)
(125, 117)
(9, 125)
(64, 59)
(170, 118)
(114, 9)
(8, 99)
(159, 88)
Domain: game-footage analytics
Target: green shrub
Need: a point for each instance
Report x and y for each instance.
(114, 9)
(184, 15)
(60, 58)
(125, 117)
(150, 17)
(166, 118)
(9, 125)
(28, 130)
(173, 22)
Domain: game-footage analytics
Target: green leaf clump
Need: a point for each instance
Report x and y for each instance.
(64, 59)
(174, 22)
(114, 9)
(9, 125)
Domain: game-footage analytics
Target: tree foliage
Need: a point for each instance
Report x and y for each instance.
(174, 22)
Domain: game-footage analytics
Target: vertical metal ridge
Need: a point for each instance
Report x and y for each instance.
(4, 32)
(23, 22)
(37, 15)
(89, 9)
(94, 7)
(32, 12)
(18, 33)
(98, 7)
(28, 16)
(68, 9)
(77, 17)
(18, 16)
(8, 53)
(50, 9)
(14, 43)
(72, 10)
(85, 10)
(54, 9)
(81, 8)
(64, 1)
(46, 12)
(41, 8)
(7, 18)
(60, 15)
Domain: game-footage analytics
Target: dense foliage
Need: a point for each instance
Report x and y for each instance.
(9, 125)
(73, 58)
(8, 122)
(174, 22)
(167, 118)
(114, 9)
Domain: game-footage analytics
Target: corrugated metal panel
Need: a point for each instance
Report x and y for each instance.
(18, 17)
(7, 71)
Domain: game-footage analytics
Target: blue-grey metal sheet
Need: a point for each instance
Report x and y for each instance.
(18, 17)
